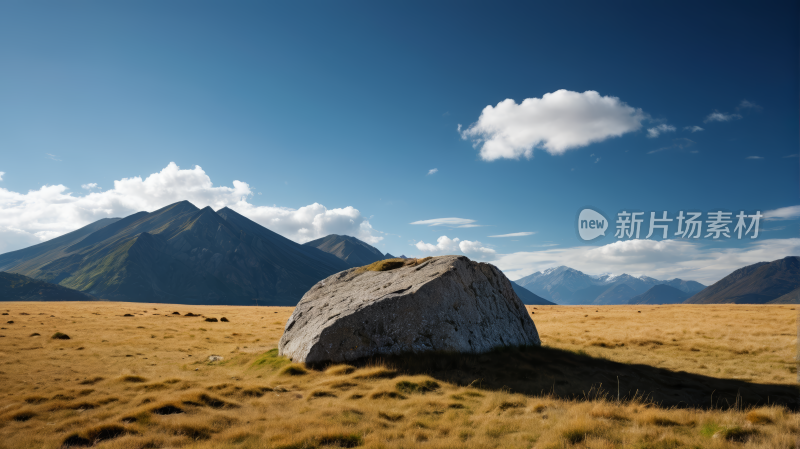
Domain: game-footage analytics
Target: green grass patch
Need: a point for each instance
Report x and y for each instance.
(270, 359)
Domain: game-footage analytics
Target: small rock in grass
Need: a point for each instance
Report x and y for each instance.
(127, 314)
(224, 320)
(212, 320)
(215, 358)
(60, 336)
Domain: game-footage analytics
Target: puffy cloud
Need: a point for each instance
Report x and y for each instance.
(452, 222)
(39, 215)
(717, 116)
(664, 259)
(557, 122)
(660, 129)
(432, 171)
(1, 175)
(514, 234)
(443, 245)
(693, 129)
(446, 245)
(90, 186)
(784, 213)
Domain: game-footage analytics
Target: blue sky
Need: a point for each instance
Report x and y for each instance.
(351, 104)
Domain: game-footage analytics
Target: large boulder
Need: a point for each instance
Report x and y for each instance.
(447, 303)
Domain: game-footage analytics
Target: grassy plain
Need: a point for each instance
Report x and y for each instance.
(611, 376)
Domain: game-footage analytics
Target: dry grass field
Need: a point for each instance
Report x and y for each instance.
(139, 376)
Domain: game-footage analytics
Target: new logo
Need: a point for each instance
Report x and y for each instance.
(591, 224)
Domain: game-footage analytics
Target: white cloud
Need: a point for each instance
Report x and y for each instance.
(557, 122)
(446, 245)
(660, 129)
(432, 171)
(664, 259)
(784, 213)
(754, 157)
(39, 215)
(693, 129)
(791, 155)
(717, 116)
(514, 234)
(748, 105)
(90, 186)
(52, 157)
(1, 175)
(452, 222)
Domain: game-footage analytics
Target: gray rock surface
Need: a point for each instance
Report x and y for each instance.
(447, 303)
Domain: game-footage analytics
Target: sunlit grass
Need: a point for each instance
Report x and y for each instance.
(127, 390)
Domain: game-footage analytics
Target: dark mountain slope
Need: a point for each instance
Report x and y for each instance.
(759, 283)
(660, 294)
(528, 297)
(33, 254)
(16, 287)
(349, 249)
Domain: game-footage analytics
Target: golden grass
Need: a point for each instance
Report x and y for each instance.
(146, 381)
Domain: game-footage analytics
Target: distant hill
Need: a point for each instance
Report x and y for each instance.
(617, 294)
(16, 287)
(528, 297)
(349, 249)
(760, 283)
(793, 297)
(660, 294)
(178, 254)
(565, 285)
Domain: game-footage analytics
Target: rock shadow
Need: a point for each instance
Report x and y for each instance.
(539, 371)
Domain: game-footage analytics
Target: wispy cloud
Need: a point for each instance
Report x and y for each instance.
(717, 116)
(783, 213)
(90, 186)
(791, 155)
(1, 175)
(681, 143)
(754, 157)
(452, 222)
(660, 129)
(748, 105)
(514, 234)
(557, 122)
(52, 157)
(693, 129)
(432, 171)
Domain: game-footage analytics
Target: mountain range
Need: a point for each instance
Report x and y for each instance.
(178, 254)
(565, 285)
(182, 254)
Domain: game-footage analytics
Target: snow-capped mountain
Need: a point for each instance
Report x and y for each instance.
(565, 285)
